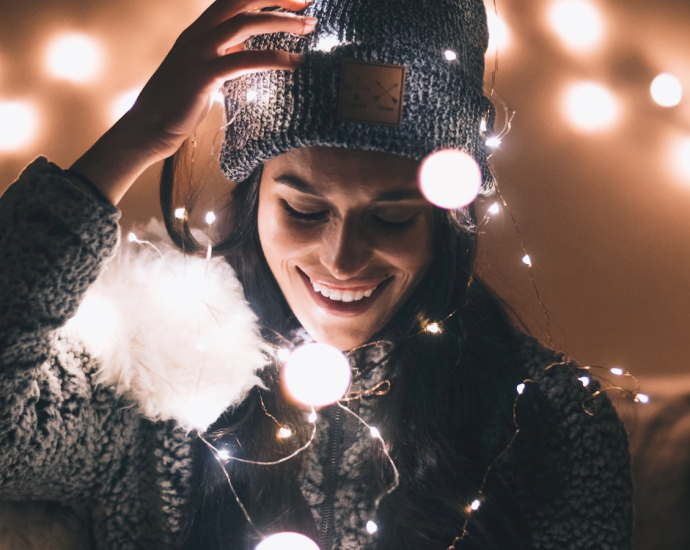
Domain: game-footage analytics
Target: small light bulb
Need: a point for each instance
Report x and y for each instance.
(520, 388)
(450, 55)
(132, 237)
(642, 398)
(284, 432)
(584, 380)
(449, 178)
(372, 527)
(527, 260)
(494, 209)
(180, 213)
(493, 142)
(617, 371)
(251, 95)
(223, 454)
(433, 328)
(287, 541)
(475, 505)
(375, 432)
(317, 374)
(312, 417)
(210, 217)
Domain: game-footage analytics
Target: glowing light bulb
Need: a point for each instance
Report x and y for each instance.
(585, 380)
(180, 213)
(132, 237)
(475, 505)
(375, 432)
(666, 90)
(577, 23)
(680, 159)
(642, 398)
(372, 527)
(75, 57)
(527, 260)
(287, 541)
(450, 55)
(433, 328)
(327, 42)
(494, 209)
(251, 95)
(283, 355)
(589, 107)
(223, 454)
(499, 34)
(449, 178)
(284, 432)
(617, 371)
(218, 97)
(312, 417)
(18, 125)
(520, 388)
(317, 374)
(210, 217)
(123, 103)
(493, 142)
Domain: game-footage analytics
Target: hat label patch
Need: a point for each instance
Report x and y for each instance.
(371, 93)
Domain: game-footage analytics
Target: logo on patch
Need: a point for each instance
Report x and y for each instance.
(371, 93)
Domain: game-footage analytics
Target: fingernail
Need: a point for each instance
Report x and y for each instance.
(297, 57)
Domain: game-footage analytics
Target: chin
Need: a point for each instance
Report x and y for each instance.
(339, 338)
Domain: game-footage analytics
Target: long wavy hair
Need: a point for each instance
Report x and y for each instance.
(447, 416)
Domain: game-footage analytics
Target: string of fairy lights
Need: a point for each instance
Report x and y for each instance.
(317, 375)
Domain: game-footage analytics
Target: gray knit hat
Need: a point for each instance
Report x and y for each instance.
(397, 76)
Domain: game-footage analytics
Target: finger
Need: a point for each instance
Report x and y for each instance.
(222, 10)
(238, 29)
(251, 61)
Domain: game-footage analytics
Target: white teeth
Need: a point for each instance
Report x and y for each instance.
(342, 295)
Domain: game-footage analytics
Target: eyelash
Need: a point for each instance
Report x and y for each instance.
(318, 216)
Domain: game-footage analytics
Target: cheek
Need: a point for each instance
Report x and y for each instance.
(280, 240)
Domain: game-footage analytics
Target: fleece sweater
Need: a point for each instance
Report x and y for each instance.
(66, 436)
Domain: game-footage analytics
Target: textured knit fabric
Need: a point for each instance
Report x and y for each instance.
(443, 106)
(65, 439)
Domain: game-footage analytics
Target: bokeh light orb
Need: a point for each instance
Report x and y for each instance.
(590, 107)
(75, 57)
(680, 159)
(577, 23)
(666, 90)
(317, 374)
(123, 103)
(449, 178)
(499, 34)
(287, 541)
(18, 125)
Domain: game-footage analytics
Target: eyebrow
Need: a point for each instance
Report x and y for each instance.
(302, 186)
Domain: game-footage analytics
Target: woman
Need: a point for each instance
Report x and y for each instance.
(332, 241)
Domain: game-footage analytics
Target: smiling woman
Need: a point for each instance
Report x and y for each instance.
(347, 241)
(176, 426)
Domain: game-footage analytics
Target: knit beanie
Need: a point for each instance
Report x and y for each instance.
(396, 76)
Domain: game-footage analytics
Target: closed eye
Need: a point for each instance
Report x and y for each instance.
(304, 216)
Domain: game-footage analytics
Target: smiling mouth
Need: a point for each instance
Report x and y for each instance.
(344, 302)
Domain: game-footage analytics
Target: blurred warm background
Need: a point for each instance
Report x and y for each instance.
(595, 171)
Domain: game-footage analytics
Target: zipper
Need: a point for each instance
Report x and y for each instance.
(331, 478)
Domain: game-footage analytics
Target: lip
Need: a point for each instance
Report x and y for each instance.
(345, 309)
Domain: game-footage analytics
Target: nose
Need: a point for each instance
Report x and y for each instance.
(345, 249)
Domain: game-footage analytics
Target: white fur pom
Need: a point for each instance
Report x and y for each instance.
(173, 333)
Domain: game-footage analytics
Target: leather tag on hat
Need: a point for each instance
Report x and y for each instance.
(371, 93)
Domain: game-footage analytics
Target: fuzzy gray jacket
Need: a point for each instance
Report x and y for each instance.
(89, 427)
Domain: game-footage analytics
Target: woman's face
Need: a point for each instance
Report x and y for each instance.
(347, 235)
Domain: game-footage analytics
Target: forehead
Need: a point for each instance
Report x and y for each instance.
(333, 170)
